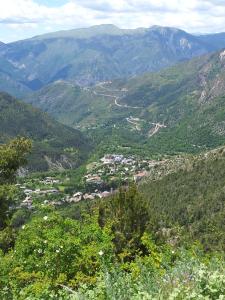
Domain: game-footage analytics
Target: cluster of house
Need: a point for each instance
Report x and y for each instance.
(119, 166)
(50, 181)
(94, 179)
(28, 201)
(111, 159)
(77, 197)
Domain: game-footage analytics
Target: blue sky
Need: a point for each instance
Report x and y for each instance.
(52, 3)
(20, 19)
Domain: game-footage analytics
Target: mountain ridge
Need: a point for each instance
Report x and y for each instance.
(100, 53)
(111, 29)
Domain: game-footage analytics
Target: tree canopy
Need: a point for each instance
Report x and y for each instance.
(12, 157)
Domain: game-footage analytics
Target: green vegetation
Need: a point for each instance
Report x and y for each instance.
(180, 109)
(68, 180)
(162, 240)
(55, 257)
(85, 108)
(54, 146)
(193, 199)
(12, 156)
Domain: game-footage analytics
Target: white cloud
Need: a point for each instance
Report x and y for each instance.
(190, 15)
(27, 11)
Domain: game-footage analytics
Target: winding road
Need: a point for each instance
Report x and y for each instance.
(116, 98)
(131, 120)
(158, 126)
(125, 105)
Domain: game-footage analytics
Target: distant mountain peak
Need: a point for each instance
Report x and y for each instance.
(158, 27)
(88, 32)
(105, 26)
(166, 29)
(2, 45)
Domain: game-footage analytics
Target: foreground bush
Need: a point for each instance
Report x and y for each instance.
(51, 251)
(187, 279)
(59, 258)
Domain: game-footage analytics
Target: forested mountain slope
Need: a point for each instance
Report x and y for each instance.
(192, 198)
(188, 99)
(55, 145)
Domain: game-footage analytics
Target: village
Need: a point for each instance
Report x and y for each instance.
(101, 180)
(113, 168)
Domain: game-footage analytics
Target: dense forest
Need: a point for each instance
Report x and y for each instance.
(193, 199)
(163, 239)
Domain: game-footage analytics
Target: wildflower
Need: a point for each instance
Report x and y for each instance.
(45, 242)
(57, 251)
(45, 218)
(23, 227)
(100, 252)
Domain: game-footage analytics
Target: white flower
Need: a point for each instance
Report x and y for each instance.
(45, 242)
(23, 227)
(39, 250)
(45, 218)
(57, 251)
(100, 252)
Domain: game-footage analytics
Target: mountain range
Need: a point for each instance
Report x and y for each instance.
(147, 91)
(96, 54)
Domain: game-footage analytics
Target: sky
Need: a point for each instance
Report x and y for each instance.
(20, 19)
